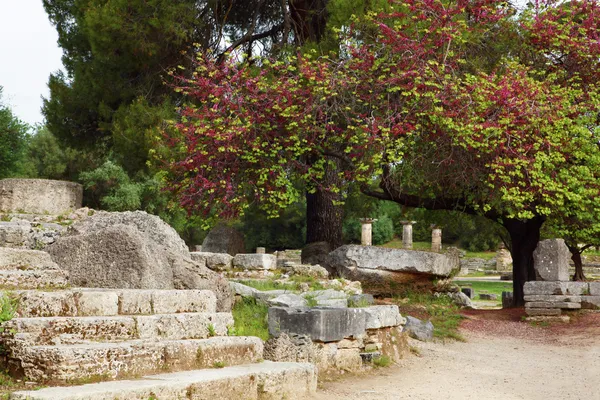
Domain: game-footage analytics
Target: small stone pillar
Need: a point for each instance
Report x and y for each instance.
(366, 233)
(260, 250)
(407, 241)
(436, 239)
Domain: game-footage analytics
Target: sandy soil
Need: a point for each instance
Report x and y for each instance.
(503, 359)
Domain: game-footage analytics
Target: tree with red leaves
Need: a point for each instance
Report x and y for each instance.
(411, 111)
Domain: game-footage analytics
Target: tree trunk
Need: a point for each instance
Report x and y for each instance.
(323, 217)
(524, 236)
(576, 257)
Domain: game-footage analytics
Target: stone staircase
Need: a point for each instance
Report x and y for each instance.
(130, 343)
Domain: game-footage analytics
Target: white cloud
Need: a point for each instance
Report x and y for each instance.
(28, 54)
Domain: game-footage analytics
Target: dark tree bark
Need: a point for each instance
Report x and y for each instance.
(323, 216)
(524, 236)
(576, 257)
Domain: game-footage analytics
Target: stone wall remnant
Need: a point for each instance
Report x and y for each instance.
(39, 196)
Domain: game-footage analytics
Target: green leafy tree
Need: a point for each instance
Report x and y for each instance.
(13, 140)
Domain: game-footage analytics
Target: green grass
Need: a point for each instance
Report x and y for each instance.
(488, 287)
(442, 312)
(396, 243)
(382, 361)
(250, 318)
(293, 285)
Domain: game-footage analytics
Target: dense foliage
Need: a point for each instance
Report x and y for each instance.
(13, 137)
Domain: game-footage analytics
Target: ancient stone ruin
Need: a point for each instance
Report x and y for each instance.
(551, 295)
(119, 301)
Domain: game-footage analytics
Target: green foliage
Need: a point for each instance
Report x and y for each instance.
(13, 137)
(382, 361)
(287, 231)
(383, 230)
(211, 330)
(250, 318)
(110, 188)
(8, 306)
(46, 157)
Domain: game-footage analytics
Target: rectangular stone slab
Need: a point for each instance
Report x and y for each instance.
(556, 288)
(321, 324)
(545, 304)
(267, 380)
(121, 360)
(542, 311)
(553, 298)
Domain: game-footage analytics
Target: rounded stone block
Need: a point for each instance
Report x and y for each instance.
(39, 196)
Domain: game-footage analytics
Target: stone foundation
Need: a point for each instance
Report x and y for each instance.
(39, 196)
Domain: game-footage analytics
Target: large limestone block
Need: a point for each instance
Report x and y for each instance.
(139, 251)
(255, 261)
(15, 233)
(214, 261)
(224, 239)
(21, 259)
(420, 330)
(381, 270)
(151, 226)
(350, 257)
(264, 381)
(39, 196)
(321, 324)
(556, 288)
(594, 288)
(551, 260)
(383, 317)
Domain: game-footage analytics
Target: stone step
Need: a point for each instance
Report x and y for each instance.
(124, 360)
(109, 302)
(25, 260)
(71, 330)
(33, 279)
(266, 380)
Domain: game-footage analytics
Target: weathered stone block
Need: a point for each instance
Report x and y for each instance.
(590, 302)
(594, 288)
(135, 302)
(383, 317)
(91, 302)
(33, 279)
(214, 261)
(418, 329)
(21, 259)
(255, 261)
(556, 288)
(507, 299)
(288, 300)
(39, 196)
(15, 234)
(183, 301)
(553, 298)
(321, 324)
(542, 311)
(33, 303)
(224, 239)
(488, 296)
(545, 304)
(468, 291)
(551, 260)
(242, 290)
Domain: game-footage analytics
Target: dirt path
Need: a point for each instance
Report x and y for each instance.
(502, 360)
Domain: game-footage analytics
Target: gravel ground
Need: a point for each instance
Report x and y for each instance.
(503, 359)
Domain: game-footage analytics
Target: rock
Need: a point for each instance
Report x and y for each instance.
(151, 226)
(224, 239)
(383, 317)
(316, 253)
(361, 300)
(507, 299)
(380, 270)
(558, 288)
(288, 300)
(281, 349)
(590, 302)
(21, 259)
(503, 261)
(242, 290)
(313, 271)
(551, 260)
(39, 196)
(255, 261)
(327, 298)
(488, 296)
(214, 261)
(594, 288)
(321, 324)
(461, 299)
(15, 233)
(418, 329)
(139, 251)
(547, 304)
(542, 311)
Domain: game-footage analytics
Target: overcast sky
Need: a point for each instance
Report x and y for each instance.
(28, 54)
